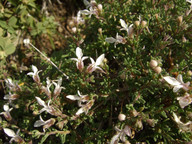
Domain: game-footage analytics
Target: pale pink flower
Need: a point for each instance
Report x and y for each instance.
(95, 65)
(79, 60)
(11, 85)
(85, 108)
(58, 87)
(121, 134)
(80, 98)
(117, 40)
(47, 107)
(6, 112)
(185, 100)
(46, 89)
(14, 136)
(35, 74)
(11, 96)
(126, 28)
(185, 127)
(177, 83)
(46, 124)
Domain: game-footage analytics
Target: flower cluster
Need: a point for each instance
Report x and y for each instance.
(93, 66)
(179, 84)
(83, 101)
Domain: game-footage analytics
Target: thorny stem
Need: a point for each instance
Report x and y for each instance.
(48, 59)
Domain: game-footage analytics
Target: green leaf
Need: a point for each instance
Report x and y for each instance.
(12, 22)
(7, 45)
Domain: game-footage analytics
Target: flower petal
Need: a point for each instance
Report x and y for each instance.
(80, 111)
(176, 88)
(100, 59)
(38, 123)
(110, 40)
(123, 24)
(180, 78)
(41, 102)
(9, 132)
(79, 53)
(172, 81)
(127, 131)
(34, 68)
(114, 139)
(73, 97)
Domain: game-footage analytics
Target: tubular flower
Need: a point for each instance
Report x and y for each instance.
(35, 74)
(6, 112)
(46, 89)
(11, 96)
(58, 87)
(185, 100)
(117, 40)
(177, 83)
(85, 108)
(46, 108)
(80, 98)
(14, 136)
(12, 86)
(79, 60)
(46, 124)
(121, 134)
(126, 28)
(95, 65)
(182, 126)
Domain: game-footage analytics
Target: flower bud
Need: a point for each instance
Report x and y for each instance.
(121, 117)
(180, 19)
(184, 39)
(134, 113)
(143, 24)
(153, 63)
(156, 16)
(100, 8)
(123, 76)
(100, 30)
(139, 124)
(127, 142)
(151, 122)
(74, 29)
(137, 23)
(189, 73)
(158, 70)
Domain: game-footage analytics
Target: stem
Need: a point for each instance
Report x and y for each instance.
(48, 59)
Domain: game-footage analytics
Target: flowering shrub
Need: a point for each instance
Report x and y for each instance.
(121, 80)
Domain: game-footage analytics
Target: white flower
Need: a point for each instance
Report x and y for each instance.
(45, 124)
(185, 100)
(80, 98)
(79, 60)
(182, 126)
(177, 83)
(121, 134)
(58, 87)
(126, 28)
(35, 74)
(117, 40)
(47, 88)
(12, 86)
(95, 65)
(14, 136)
(79, 19)
(46, 108)
(11, 96)
(6, 112)
(85, 108)
(190, 1)
(26, 41)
